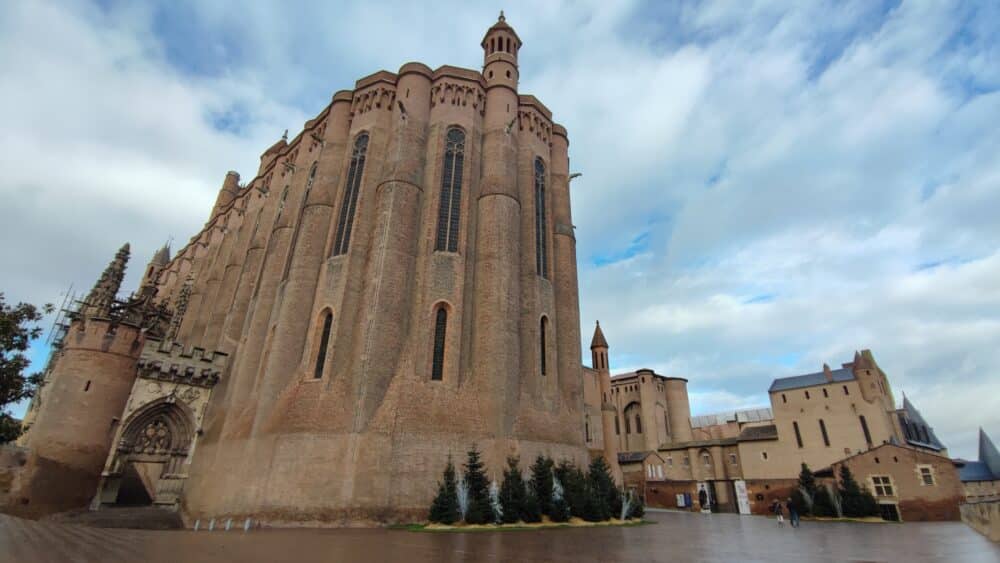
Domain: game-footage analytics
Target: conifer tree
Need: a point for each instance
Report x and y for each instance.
(532, 511)
(512, 492)
(559, 510)
(606, 500)
(823, 503)
(574, 484)
(444, 509)
(856, 502)
(806, 491)
(541, 483)
(637, 508)
(479, 511)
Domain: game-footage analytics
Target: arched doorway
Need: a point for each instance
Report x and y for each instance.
(147, 463)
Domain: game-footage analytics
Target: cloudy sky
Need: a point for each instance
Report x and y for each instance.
(767, 185)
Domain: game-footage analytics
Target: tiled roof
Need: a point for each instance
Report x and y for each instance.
(988, 454)
(760, 414)
(632, 457)
(915, 419)
(976, 471)
(598, 341)
(811, 379)
(751, 433)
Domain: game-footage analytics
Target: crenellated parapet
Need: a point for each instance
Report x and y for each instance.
(170, 362)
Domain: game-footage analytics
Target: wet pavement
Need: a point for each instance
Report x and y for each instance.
(671, 537)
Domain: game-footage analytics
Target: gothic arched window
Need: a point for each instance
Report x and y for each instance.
(542, 326)
(440, 329)
(324, 341)
(541, 240)
(450, 207)
(312, 176)
(350, 203)
(281, 203)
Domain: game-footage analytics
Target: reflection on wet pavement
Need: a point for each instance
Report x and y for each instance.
(672, 537)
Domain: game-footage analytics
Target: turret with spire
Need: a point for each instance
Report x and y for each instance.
(599, 353)
(147, 288)
(100, 299)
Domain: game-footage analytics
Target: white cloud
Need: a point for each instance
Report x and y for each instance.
(803, 180)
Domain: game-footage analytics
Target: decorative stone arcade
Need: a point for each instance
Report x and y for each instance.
(163, 418)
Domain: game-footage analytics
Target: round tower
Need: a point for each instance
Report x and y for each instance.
(678, 410)
(599, 355)
(88, 386)
(496, 344)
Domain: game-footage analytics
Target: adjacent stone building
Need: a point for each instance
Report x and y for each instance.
(395, 283)
(742, 461)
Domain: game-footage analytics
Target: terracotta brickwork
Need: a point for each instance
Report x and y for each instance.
(924, 485)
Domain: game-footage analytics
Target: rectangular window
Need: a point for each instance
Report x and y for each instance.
(617, 428)
(798, 436)
(926, 474)
(687, 461)
(732, 459)
(822, 429)
(864, 429)
(670, 462)
(659, 471)
(882, 485)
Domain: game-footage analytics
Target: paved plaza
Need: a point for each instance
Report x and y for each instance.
(672, 537)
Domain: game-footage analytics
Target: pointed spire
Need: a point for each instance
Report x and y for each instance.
(284, 136)
(100, 298)
(598, 341)
(162, 256)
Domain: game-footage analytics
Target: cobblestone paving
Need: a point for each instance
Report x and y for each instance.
(673, 537)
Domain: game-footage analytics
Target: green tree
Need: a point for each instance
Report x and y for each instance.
(532, 511)
(637, 509)
(574, 484)
(479, 511)
(18, 327)
(823, 503)
(512, 492)
(856, 501)
(444, 509)
(803, 496)
(541, 482)
(604, 500)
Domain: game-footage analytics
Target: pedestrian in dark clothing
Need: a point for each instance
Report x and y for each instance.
(779, 511)
(793, 513)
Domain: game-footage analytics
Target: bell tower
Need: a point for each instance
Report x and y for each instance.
(500, 47)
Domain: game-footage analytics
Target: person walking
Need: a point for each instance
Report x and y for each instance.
(779, 512)
(793, 513)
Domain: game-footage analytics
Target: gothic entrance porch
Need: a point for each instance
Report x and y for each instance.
(147, 465)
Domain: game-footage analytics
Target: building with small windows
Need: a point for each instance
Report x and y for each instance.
(744, 460)
(395, 283)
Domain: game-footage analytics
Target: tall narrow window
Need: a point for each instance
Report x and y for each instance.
(312, 177)
(440, 327)
(541, 240)
(617, 426)
(324, 341)
(864, 428)
(450, 208)
(638, 424)
(350, 203)
(586, 426)
(281, 204)
(798, 435)
(542, 325)
(822, 430)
